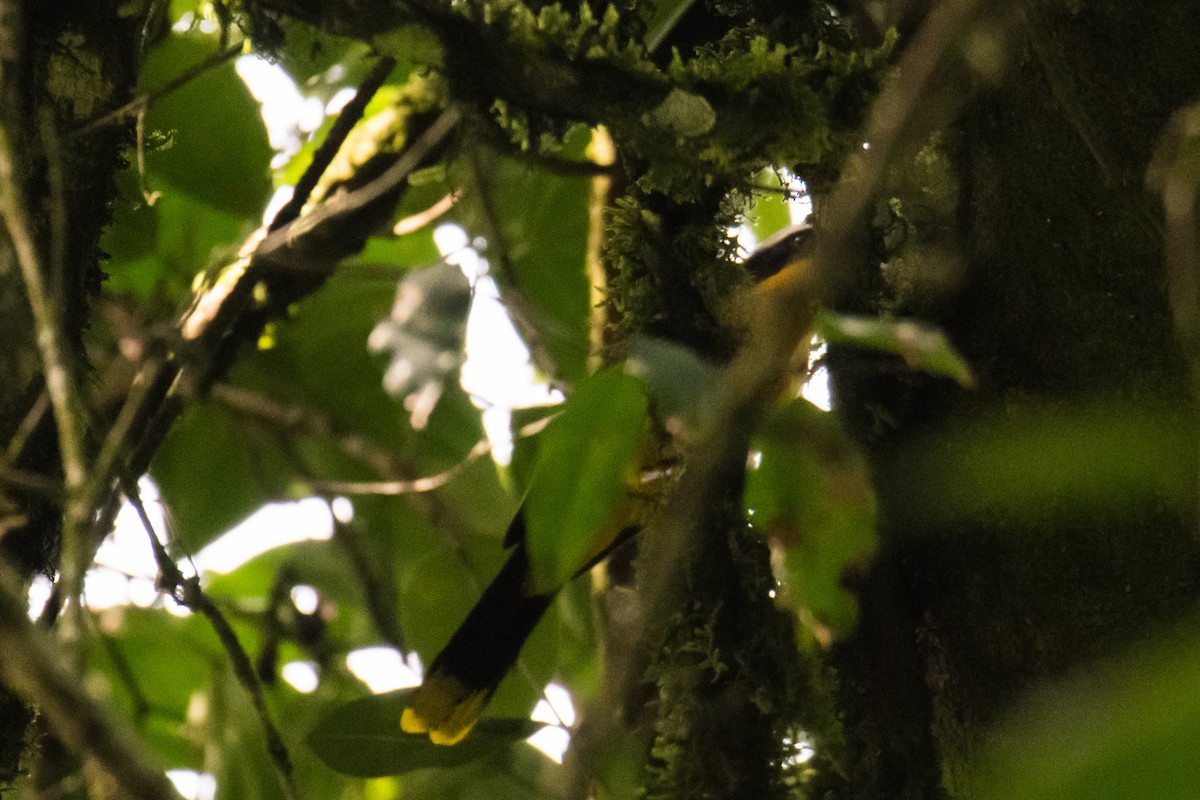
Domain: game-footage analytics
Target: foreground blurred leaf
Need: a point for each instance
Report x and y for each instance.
(581, 483)
(364, 739)
(922, 347)
(679, 382)
(812, 495)
(1128, 730)
(1031, 462)
(662, 21)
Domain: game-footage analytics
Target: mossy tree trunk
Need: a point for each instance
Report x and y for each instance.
(62, 65)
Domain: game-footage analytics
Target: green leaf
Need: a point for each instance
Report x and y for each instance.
(811, 494)
(212, 475)
(157, 250)
(581, 485)
(516, 773)
(213, 143)
(679, 382)
(1126, 730)
(363, 739)
(134, 645)
(922, 347)
(320, 358)
(311, 53)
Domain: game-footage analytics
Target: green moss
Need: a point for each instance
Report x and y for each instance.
(75, 78)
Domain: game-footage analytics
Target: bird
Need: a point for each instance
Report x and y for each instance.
(462, 678)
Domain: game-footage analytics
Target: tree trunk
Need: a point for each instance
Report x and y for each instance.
(61, 65)
(1060, 304)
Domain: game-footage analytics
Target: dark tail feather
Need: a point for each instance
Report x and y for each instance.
(466, 673)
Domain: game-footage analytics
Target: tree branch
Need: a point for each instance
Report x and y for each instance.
(30, 664)
(187, 592)
(143, 101)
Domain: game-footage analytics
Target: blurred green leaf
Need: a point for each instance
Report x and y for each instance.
(679, 382)
(410, 43)
(216, 147)
(1031, 461)
(436, 592)
(663, 20)
(321, 62)
(132, 657)
(158, 250)
(319, 359)
(364, 739)
(212, 475)
(231, 737)
(922, 347)
(511, 773)
(589, 455)
(811, 494)
(1126, 730)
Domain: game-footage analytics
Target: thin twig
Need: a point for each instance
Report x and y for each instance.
(351, 113)
(113, 451)
(602, 316)
(55, 180)
(30, 422)
(243, 669)
(148, 197)
(32, 665)
(428, 483)
(187, 592)
(144, 101)
(415, 222)
(303, 420)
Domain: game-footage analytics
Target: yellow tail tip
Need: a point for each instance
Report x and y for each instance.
(443, 708)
